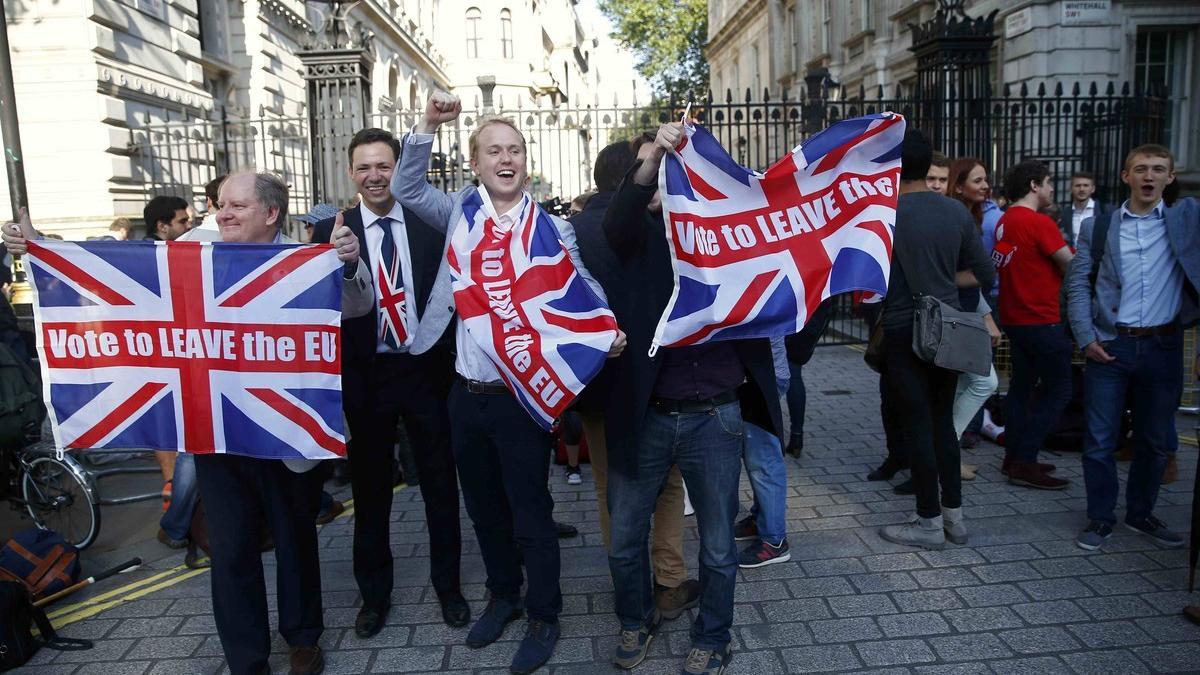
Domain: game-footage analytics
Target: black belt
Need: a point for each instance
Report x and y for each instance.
(477, 387)
(1147, 331)
(671, 406)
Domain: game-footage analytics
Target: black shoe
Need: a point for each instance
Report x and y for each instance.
(566, 531)
(536, 648)
(455, 610)
(795, 448)
(166, 540)
(370, 621)
(490, 625)
(905, 488)
(887, 470)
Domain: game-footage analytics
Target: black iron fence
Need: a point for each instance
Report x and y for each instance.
(1071, 128)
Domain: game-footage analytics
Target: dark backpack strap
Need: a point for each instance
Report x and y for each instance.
(49, 637)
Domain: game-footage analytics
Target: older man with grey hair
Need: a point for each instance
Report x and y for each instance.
(240, 493)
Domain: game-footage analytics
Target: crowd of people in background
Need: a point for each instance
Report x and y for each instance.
(674, 432)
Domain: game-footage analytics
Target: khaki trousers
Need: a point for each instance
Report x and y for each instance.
(666, 536)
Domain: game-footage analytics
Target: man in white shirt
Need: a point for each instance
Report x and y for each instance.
(1081, 207)
(502, 453)
(383, 381)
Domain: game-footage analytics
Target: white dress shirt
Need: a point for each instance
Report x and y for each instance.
(1078, 215)
(373, 233)
(472, 362)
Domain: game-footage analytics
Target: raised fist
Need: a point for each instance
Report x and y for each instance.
(442, 107)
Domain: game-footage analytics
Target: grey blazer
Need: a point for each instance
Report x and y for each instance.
(358, 298)
(1094, 317)
(439, 210)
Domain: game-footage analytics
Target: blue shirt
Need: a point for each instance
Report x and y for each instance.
(991, 218)
(1151, 278)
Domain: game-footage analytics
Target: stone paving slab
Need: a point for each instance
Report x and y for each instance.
(1020, 598)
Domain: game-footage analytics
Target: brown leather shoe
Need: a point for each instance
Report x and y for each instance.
(336, 508)
(671, 602)
(1030, 475)
(1192, 613)
(306, 660)
(1172, 473)
(1007, 464)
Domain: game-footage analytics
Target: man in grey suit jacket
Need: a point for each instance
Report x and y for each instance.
(1129, 321)
(501, 452)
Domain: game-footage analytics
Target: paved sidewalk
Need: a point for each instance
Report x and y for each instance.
(1021, 598)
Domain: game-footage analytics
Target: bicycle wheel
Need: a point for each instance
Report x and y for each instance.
(58, 500)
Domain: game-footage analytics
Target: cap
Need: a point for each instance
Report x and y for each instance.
(318, 213)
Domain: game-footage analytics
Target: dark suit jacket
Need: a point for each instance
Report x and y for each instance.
(1066, 220)
(599, 258)
(638, 240)
(359, 335)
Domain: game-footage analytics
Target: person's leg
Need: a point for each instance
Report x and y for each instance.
(571, 428)
(178, 518)
(1051, 364)
(948, 457)
(909, 389)
(523, 449)
(1020, 388)
(427, 421)
(373, 429)
(239, 592)
(479, 472)
(709, 456)
(768, 480)
(631, 499)
(593, 429)
(797, 402)
(971, 392)
(291, 501)
(1104, 390)
(1157, 388)
(666, 535)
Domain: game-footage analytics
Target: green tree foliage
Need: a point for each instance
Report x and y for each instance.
(668, 37)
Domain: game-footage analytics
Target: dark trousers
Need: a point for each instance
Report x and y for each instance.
(504, 464)
(923, 395)
(800, 349)
(412, 388)
(238, 494)
(1148, 369)
(707, 448)
(1039, 389)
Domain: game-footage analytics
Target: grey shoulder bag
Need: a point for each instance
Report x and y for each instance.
(947, 337)
(950, 338)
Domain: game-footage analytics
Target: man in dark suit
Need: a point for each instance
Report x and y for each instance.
(1081, 207)
(683, 406)
(383, 382)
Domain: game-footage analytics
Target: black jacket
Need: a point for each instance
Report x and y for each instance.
(599, 259)
(359, 335)
(1066, 222)
(638, 240)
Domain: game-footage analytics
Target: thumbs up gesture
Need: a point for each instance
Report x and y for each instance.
(17, 234)
(344, 240)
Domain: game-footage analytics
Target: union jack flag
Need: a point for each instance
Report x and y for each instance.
(189, 346)
(755, 254)
(525, 305)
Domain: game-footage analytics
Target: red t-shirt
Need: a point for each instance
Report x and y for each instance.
(1030, 280)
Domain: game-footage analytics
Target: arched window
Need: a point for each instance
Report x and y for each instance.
(473, 19)
(506, 36)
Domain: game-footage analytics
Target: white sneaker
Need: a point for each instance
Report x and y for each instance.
(574, 476)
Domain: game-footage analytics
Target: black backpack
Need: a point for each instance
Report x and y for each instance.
(18, 616)
(21, 409)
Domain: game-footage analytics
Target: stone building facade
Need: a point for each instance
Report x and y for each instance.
(773, 45)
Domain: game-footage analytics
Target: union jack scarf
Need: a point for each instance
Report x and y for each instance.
(526, 306)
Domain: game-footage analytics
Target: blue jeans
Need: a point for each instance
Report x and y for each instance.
(707, 448)
(178, 518)
(1149, 369)
(768, 479)
(1039, 389)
